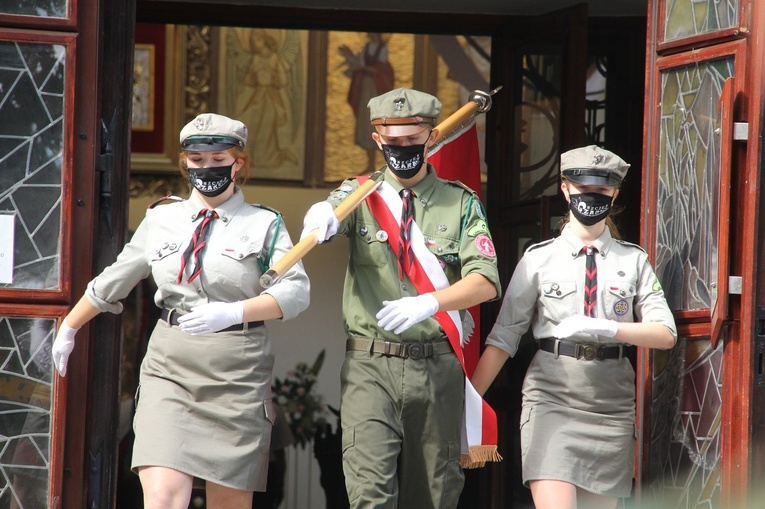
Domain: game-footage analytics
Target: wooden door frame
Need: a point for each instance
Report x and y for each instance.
(739, 474)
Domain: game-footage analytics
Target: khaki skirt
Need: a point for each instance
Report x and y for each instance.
(203, 406)
(578, 423)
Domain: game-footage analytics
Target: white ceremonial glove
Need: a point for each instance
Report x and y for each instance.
(320, 216)
(579, 323)
(62, 347)
(212, 317)
(401, 314)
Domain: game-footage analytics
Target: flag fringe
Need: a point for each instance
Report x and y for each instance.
(478, 455)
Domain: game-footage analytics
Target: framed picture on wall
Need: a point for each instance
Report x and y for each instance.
(263, 81)
(158, 77)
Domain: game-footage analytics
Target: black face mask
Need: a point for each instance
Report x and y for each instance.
(211, 181)
(404, 161)
(590, 208)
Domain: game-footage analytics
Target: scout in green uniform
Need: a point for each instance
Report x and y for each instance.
(402, 385)
(588, 297)
(204, 403)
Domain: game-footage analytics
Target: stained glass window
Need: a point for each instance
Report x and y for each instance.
(25, 411)
(686, 18)
(686, 222)
(31, 155)
(42, 8)
(684, 462)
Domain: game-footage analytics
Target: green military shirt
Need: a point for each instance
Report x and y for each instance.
(455, 230)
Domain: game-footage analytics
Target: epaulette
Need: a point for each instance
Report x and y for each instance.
(630, 244)
(539, 244)
(461, 184)
(265, 207)
(165, 198)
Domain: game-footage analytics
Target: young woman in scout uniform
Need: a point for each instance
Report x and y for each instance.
(402, 386)
(588, 297)
(204, 401)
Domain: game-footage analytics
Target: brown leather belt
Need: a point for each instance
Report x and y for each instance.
(586, 351)
(419, 350)
(171, 317)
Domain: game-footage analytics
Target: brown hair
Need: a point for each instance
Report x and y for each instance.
(241, 176)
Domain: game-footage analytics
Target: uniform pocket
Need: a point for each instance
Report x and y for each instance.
(526, 429)
(369, 245)
(618, 300)
(350, 466)
(558, 298)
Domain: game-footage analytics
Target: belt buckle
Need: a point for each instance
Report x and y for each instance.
(416, 351)
(587, 352)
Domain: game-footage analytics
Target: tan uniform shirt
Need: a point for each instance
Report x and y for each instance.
(548, 286)
(230, 268)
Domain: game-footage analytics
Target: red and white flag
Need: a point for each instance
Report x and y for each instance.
(459, 159)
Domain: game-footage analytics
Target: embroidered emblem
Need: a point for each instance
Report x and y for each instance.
(656, 285)
(477, 228)
(430, 242)
(382, 235)
(399, 104)
(621, 307)
(486, 247)
(479, 210)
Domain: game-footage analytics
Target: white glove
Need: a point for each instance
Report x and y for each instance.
(401, 314)
(584, 324)
(320, 216)
(212, 317)
(63, 346)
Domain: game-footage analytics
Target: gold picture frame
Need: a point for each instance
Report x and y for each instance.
(154, 144)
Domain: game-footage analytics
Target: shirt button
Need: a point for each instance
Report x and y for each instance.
(240, 256)
(225, 220)
(404, 287)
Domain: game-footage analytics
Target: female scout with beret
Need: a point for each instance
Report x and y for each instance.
(204, 403)
(588, 297)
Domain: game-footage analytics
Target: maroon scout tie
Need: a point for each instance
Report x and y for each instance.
(198, 242)
(590, 281)
(405, 253)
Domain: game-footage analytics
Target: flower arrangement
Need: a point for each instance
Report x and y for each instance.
(303, 410)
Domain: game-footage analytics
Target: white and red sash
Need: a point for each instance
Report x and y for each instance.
(479, 422)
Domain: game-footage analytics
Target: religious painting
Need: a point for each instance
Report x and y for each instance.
(360, 65)
(263, 81)
(143, 87)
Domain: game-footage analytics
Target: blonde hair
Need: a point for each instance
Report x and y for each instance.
(237, 153)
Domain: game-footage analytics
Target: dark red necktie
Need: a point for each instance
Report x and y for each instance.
(590, 281)
(198, 242)
(405, 253)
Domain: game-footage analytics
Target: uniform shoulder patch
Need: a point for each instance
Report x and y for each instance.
(539, 244)
(169, 197)
(630, 244)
